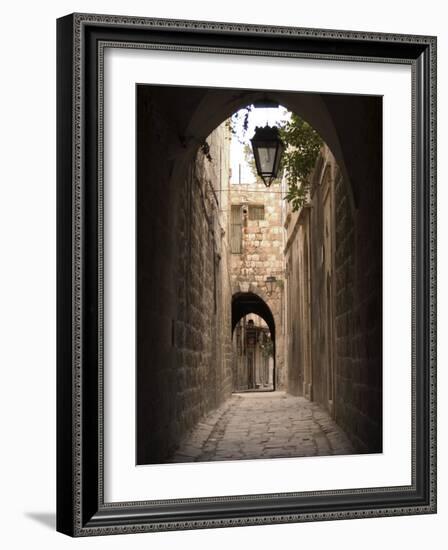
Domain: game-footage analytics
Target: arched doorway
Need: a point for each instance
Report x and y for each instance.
(244, 304)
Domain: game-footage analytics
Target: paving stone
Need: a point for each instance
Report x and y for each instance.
(264, 425)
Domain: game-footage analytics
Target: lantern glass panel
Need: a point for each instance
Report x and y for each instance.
(267, 158)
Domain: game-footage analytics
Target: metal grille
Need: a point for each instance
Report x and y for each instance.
(236, 230)
(256, 212)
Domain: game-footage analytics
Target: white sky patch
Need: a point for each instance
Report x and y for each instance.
(259, 116)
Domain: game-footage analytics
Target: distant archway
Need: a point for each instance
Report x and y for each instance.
(244, 303)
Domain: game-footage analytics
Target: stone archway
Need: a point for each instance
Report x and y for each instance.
(244, 303)
(352, 150)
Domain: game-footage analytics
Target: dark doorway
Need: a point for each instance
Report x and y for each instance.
(250, 337)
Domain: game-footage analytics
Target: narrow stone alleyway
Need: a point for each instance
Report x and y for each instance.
(263, 425)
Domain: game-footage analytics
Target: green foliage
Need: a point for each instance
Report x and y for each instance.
(302, 144)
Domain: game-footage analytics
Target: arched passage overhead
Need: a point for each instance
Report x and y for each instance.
(244, 303)
(219, 105)
(350, 125)
(210, 107)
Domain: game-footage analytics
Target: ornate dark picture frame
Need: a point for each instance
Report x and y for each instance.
(81, 509)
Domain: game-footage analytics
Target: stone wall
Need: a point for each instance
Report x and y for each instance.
(298, 306)
(358, 327)
(261, 256)
(183, 284)
(333, 267)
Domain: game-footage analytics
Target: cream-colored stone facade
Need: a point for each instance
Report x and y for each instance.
(260, 254)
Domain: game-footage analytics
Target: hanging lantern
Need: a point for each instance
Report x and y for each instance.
(268, 149)
(270, 283)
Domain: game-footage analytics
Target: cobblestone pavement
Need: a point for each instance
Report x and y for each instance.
(263, 425)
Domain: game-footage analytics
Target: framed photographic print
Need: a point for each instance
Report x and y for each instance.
(246, 274)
